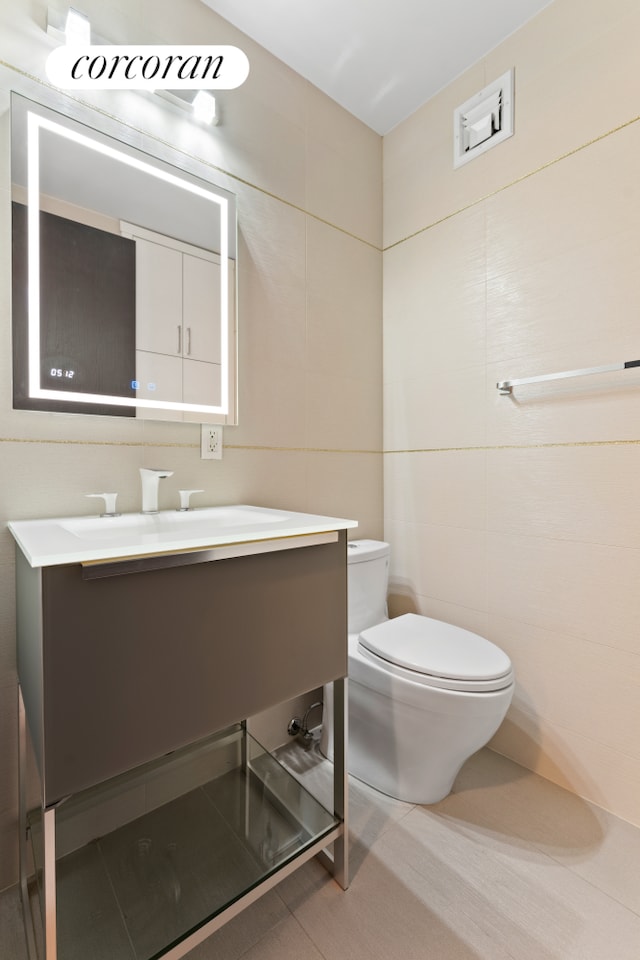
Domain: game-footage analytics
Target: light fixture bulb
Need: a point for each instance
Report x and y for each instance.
(204, 107)
(77, 28)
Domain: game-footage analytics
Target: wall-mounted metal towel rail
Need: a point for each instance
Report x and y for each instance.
(504, 386)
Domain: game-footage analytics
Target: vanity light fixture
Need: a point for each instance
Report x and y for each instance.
(204, 107)
(73, 27)
(77, 28)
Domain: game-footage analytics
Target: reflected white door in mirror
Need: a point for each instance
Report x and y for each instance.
(180, 336)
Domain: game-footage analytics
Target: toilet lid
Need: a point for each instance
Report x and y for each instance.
(436, 649)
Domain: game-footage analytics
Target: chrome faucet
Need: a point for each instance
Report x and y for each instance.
(151, 478)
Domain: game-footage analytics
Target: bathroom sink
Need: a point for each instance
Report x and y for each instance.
(92, 539)
(170, 521)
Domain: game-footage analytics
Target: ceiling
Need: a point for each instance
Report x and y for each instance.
(380, 59)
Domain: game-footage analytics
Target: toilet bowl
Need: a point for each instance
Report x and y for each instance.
(424, 695)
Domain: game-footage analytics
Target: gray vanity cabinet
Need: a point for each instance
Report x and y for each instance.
(120, 668)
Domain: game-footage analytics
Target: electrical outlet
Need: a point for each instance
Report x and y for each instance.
(211, 442)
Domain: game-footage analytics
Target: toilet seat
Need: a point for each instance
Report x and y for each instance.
(437, 654)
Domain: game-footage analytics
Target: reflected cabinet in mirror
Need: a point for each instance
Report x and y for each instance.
(124, 277)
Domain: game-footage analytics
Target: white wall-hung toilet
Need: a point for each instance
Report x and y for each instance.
(423, 695)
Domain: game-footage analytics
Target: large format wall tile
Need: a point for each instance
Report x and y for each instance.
(434, 300)
(439, 562)
(585, 590)
(592, 689)
(444, 487)
(413, 410)
(343, 305)
(581, 493)
(343, 168)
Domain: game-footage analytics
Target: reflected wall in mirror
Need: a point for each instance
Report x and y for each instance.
(123, 280)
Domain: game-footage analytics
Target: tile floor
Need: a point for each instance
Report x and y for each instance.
(508, 867)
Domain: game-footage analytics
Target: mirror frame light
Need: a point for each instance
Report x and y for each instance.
(37, 122)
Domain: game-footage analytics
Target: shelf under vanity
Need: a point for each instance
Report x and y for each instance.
(217, 824)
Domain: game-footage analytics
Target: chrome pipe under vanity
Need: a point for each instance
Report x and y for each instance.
(504, 387)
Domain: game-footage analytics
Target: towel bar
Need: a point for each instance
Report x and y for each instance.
(504, 387)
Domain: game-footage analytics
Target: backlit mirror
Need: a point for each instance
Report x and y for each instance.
(123, 277)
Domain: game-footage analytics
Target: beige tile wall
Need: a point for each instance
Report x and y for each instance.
(519, 516)
(308, 181)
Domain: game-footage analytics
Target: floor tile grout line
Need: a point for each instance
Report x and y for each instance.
(601, 891)
(105, 867)
(537, 846)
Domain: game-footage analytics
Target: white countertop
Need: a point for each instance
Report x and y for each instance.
(62, 540)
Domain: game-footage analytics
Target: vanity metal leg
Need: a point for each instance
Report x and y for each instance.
(338, 862)
(22, 819)
(341, 780)
(48, 854)
(244, 764)
(49, 883)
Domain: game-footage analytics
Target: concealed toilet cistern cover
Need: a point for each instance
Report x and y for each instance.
(436, 649)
